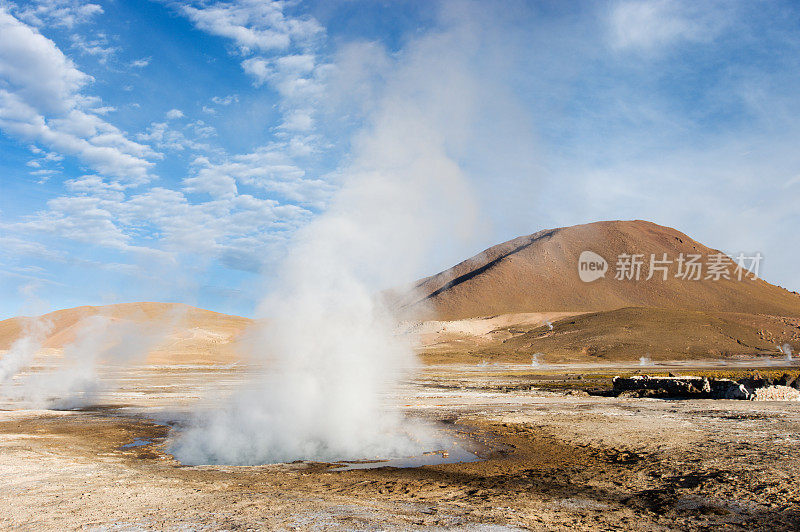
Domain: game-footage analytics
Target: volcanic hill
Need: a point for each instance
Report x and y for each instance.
(531, 289)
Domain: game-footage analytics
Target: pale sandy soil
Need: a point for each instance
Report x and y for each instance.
(553, 462)
(434, 335)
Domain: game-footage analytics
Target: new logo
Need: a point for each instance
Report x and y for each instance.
(591, 266)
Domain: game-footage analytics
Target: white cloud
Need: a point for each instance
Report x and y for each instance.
(649, 25)
(98, 47)
(82, 219)
(44, 175)
(268, 168)
(227, 100)
(291, 69)
(162, 136)
(216, 184)
(290, 75)
(95, 185)
(298, 120)
(259, 68)
(241, 226)
(254, 24)
(41, 101)
(16, 247)
(32, 64)
(66, 13)
(201, 129)
(103, 110)
(172, 114)
(141, 63)
(300, 82)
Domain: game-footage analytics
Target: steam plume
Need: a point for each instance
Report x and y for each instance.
(787, 350)
(334, 354)
(22, 351)
(76, 380)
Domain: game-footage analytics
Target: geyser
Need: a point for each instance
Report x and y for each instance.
(331, 346)
(75, 380)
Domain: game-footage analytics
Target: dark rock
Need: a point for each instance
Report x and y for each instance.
(753, 382)
(644, 393)
(664, 386)
(728, 389)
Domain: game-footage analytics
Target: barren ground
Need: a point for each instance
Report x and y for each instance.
(555, 459)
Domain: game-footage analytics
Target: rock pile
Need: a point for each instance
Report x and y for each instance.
(776, 393)
(787, 388)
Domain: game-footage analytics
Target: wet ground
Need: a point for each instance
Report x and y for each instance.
(552, 457)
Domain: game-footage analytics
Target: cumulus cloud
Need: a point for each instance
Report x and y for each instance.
(211, 228)
(164, 136)
(66, 13)
(253, 25)
(268, 168)
(241, 230)
(284, 47)
(42, 101)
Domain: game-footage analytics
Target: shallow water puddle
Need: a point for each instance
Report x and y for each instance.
(454, 455)
(138, 442)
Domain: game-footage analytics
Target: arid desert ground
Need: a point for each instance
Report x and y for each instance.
(548, 457)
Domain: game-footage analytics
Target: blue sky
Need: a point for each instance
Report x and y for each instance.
(169, 150)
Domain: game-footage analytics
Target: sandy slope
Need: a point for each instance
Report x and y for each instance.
(183, 334)
(617, 335)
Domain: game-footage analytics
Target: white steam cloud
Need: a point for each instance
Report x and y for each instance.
(22, 352)
(75, 380)
(787, 350)
(332, 346)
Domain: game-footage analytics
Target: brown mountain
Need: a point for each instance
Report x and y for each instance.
(539, 273)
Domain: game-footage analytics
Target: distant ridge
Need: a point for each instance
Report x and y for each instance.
(190, 334)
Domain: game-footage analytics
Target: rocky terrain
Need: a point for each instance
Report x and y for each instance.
(785, 388)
